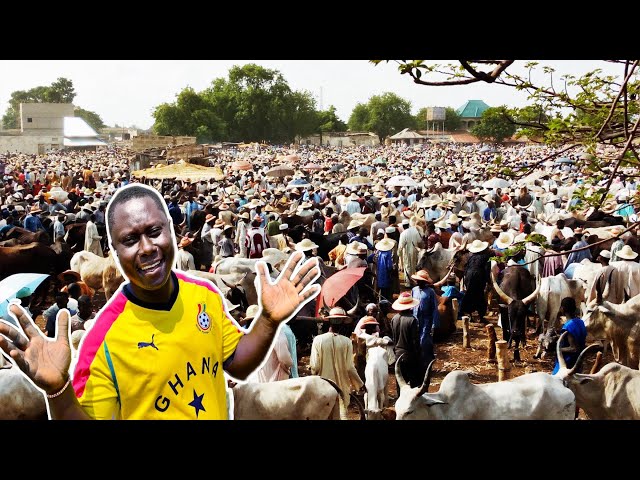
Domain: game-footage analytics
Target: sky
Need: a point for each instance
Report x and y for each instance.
(125, 92)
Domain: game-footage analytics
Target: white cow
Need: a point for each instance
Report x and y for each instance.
(272, 256)
(303, 398)
(19, 398)
(611, 394)
(535, 396)
(552, 291)
(99, 273)
(376, 373)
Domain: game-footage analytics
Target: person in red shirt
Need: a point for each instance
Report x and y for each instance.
(328, 222)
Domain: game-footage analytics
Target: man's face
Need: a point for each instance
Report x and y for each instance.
(142, 240)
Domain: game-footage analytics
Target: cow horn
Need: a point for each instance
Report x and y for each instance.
(533, 296)
(561, 362)
(223, 281)
(427, 379)
(576, 367)
(505, 298)
(399, 378)
(241, 280)
(355, 307)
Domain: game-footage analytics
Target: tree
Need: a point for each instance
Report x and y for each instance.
(494, 125)
(329, 121)
(60, 91)
(382, 115)
(92, 118)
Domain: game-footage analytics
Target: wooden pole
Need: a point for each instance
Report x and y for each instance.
(491, 352)
(466, 341)
(503, 360)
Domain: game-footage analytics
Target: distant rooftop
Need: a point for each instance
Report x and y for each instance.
(472, 109)
(77, 127)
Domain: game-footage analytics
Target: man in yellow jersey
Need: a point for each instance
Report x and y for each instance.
(158, 348)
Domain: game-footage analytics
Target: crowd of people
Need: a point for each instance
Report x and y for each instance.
(375, 207)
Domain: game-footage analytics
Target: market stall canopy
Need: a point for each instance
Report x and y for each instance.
(181, 171)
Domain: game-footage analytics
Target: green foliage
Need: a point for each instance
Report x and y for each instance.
(92, 118)
(452, 121)
(60, 91)
(494, 125)
(384, 115)
(329, 122)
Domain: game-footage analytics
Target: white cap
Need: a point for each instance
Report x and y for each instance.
(381, 230)
(283, 226)
(390, 229)
(605, 254)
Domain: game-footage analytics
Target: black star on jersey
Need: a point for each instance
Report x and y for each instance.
(197, 402)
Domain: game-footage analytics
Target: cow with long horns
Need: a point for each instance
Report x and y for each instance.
(535, 396)
(515, 292)
(613, 393)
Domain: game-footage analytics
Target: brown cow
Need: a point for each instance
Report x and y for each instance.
(24, 236)
(32, 258)
(75, 236)
(448, 311)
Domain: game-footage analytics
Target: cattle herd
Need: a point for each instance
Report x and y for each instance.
(516, 246)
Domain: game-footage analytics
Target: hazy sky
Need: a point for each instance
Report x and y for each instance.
(126, 91)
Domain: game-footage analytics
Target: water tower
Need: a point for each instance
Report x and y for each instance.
(436, 117)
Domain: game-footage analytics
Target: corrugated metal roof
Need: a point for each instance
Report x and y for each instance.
(77, 127)
(472, 109)
(82, 142)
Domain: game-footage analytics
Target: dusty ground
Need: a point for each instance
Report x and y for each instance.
(450, 356)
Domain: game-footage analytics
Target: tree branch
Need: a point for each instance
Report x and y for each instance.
(615, 101)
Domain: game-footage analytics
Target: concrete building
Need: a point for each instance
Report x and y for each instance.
(342, 139)
(48, 126)
(471, 112)
(408, 136)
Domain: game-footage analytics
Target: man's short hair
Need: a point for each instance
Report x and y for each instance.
(127, 193)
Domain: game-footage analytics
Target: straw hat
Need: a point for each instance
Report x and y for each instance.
(356, 248)
(185, 242)
(505, 240)
(422, 275)
(442, 225)
(354, 196)
(385, 244)
(252, 311)
(354, 224)
(405, 302)
(453, 219)
(626, 253)
(338, 315)
(495, 228)
(368, 320)
(35, 209)
(244, 215)
(304, 205)
(305, 245)
(477, 246)
(463, 214)
(223, 207)
(227, 227)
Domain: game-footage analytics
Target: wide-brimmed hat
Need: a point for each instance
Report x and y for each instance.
(452, 219)
(35, 209)
(209, 218)
(368, 320)
(477, 246)
(354, 196)
(356, 248)
(304, 205)
(223, 207)
(244, 215)
(67, 273)
(422, 275)
(385, 244)
(252, 311)
(495, 228)
(505, 240)
(626, 253)
(463, 214)
(338, 315)
(185, 242)
(354, 224)
(227, 227)
(305, 245)
(405, 302)
(442, 225)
